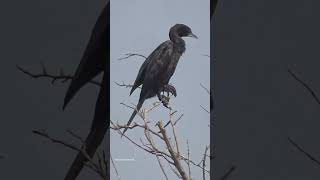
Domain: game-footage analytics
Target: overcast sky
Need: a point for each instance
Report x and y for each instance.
(139, 27)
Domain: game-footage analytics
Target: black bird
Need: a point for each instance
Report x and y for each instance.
(93, 63)
(157, 69)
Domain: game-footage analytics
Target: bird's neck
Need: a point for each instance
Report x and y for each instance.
(178, 42)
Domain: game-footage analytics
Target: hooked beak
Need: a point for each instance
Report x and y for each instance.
(192, 35)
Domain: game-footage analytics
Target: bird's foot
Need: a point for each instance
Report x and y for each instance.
(169, 89)
(165, 101)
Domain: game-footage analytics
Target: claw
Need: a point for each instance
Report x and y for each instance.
(165, 101)
(169, 89)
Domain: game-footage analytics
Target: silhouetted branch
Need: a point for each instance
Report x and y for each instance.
(44, 74)
(99, 167)
(305, 85)
(303, 151)
(228, 173)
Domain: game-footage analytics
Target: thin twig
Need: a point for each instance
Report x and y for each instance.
(96, 167)
(125, 85)
(204, 163)
(205, 88)
(204, 109)
(115, 168)
(189, 169)
(303, 151)
(128, 55)
(174, 133)
(228, 173)
(305, 85)
(54, 78)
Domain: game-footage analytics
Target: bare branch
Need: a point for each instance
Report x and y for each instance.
(125, 85)
(204, 163)
(150, 146)
(99, 167)
(205, 109)
(128, 55)
(44, 74)
(313, 94)
(174, 155)
(303, 151)
(56, 141)
(188, 149)
(228, 173)
(150, 139)
(174, 133)
(115, 168)
(205, 88)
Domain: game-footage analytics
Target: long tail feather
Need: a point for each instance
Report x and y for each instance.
(99, 127)
(134, 114)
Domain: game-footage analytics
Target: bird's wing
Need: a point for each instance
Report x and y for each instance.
(140, 76)
(94, 58)
(159, 59)
(157, 54)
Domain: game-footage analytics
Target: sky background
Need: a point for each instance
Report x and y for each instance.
(139, 27)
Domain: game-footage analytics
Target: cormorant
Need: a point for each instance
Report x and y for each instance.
(93, 63)
(157, 69)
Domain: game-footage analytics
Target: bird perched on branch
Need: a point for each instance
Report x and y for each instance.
(157, 69)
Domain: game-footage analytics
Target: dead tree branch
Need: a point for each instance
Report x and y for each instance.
(128, 55)
(44, 74)
(228, 173)
(312, 158)
(313, 94)
(152, 148)
(169, 152)
(204, 162)
(100, 167)
(175, 155)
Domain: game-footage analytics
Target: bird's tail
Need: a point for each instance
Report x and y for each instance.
(80, 79)
(93, 141)
(99, 127)
(134, 114)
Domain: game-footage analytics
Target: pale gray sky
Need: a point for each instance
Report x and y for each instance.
(139, 27)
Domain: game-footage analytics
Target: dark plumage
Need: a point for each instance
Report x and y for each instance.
(92, 63)
(157, 69)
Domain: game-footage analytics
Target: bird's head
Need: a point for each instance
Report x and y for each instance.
(182, 31)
